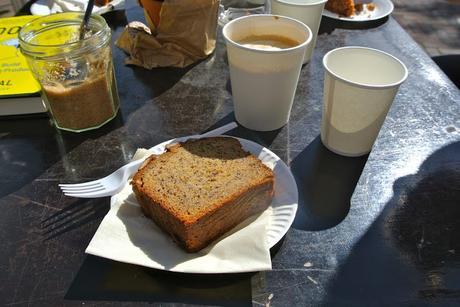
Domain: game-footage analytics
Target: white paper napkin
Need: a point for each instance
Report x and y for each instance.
(126, 235)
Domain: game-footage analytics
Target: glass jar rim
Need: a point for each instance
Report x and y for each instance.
(77, 47)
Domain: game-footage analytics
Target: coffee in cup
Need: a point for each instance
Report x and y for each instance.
(268, 42)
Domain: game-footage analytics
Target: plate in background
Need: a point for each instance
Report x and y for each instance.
(383, 8)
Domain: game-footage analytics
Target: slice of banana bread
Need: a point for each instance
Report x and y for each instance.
(198, 190)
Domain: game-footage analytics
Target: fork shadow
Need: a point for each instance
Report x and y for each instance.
(75, 215)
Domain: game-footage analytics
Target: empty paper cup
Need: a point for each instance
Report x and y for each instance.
(307, 11)
(359, 87)
(265, 54)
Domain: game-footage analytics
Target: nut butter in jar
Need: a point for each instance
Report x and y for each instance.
(76, 76)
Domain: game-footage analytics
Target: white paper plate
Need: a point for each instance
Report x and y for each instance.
(111, 234)
(47, 7)
(382, 9)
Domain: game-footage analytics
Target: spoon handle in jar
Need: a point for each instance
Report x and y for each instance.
(84, 23)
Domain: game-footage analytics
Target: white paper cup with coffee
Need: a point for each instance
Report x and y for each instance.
(265, 54)
(359, 87)
(307, 11)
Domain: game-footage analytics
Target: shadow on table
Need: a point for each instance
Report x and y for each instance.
(100, 279)
(37, 146)
(75, 215)
(412, 250)
(264, 138)
(116, 19)
(328, 25)
(326, 182)
(450, 65)
(137, 85)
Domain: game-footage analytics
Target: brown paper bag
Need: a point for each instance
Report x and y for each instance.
(186, 33)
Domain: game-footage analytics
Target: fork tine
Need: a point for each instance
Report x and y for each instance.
(79, 188)
(78, 185)
(88, 195)
(84, 190)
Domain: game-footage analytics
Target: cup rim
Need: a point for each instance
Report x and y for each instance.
(286, 2)
(364, 85)
(304, 44)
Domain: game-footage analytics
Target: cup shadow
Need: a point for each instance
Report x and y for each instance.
(326, 183)
(264, 138)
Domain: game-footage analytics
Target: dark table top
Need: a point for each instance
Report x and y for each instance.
(383, 229)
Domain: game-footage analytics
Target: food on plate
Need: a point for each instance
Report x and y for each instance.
(341, 7)
(348, 8)
(359, 7)
(370, 6)
(199, 189)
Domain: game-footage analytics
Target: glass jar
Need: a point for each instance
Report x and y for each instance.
(77, 77)
(232, 9)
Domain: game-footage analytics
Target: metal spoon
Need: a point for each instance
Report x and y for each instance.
(84, 23)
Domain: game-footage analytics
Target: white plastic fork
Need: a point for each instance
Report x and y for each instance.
(114, 183)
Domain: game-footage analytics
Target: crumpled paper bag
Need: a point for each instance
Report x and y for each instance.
(126, 235)
(186, 34)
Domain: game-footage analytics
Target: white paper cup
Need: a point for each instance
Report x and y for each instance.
(307, 11)
(264, 81)
(359, 87)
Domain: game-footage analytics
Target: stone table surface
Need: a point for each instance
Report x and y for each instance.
(377, 230)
